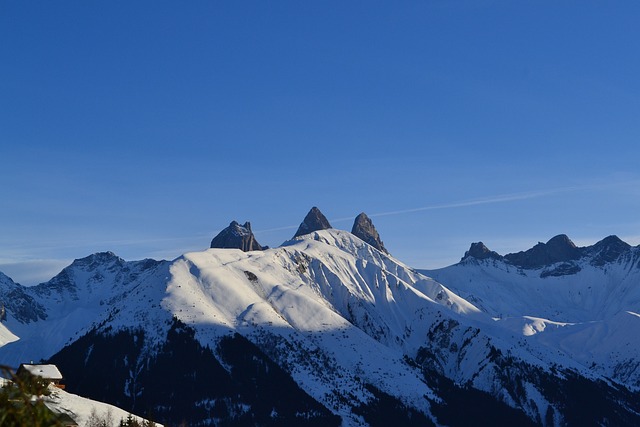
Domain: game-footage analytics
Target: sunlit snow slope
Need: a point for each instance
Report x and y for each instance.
(586, 308)
(348, 323)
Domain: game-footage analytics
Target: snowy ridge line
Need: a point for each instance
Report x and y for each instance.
(341, 317)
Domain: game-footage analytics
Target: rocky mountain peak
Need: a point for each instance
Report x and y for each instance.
(560, 242)
(480, 251)
(314, 221)
(99, 257)
(96, 260)
(364, 229)
(6, 279)
(15, 300)
(607, 250)
(237, 236)
(558, 249)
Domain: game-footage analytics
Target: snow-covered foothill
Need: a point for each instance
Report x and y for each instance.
(82, 410)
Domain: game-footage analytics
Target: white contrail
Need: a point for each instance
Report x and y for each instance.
(483, 201)
(460, 204)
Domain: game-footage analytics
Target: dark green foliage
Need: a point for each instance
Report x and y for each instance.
(17, 406)
(185, 383)
(386, 410)
(269, 389)
(465, 406)
(586, 402)
(98, 366)
(181, 374)
(580, 401)
(132, 422)
(577, 401)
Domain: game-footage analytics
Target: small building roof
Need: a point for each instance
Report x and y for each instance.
(48, 372)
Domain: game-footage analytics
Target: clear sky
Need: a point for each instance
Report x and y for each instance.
(145, 127)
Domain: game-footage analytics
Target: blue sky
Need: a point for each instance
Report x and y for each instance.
(144, 128)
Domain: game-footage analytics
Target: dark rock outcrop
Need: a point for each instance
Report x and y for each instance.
(559, 256)
(237, 236)
(314, 221)
(606, 250)
(564, 269)
(480, 251)
(559, 249)
(364, 229)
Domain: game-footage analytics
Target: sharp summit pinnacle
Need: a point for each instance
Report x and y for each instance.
(364, 229)
(314, 221)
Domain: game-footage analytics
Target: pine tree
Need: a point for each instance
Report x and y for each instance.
(21, 401)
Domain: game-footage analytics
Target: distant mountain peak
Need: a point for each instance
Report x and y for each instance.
(5, 278)
(560, 242)
(237, 236)
(97, 259)
(314, 221)
(364, 229)
(612, 241)
(558, 249)
(98, 256)
(480, 251)
(607, 250)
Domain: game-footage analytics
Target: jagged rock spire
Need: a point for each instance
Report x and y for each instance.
(314, 221)
(480, 251)
(237, 236)
(364, 229)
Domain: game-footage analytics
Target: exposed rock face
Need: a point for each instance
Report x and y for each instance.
(314, 221)
(16, 301)
(559, 256)
(364, 230)
(607, 250)
(559, 249)
(237, 236)
(480, 251)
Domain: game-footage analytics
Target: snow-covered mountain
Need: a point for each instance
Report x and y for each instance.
(583, 302)
(86, 411)
(323, 330)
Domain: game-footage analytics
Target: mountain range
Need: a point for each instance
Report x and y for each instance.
(330, 329)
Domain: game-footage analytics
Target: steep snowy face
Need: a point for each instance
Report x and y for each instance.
(348, 323)
(338, 313)
(597, 285)
(583, 307)
(16, 303)
(326, 289)
(341, 306)
(329, 272)
(327, 298)
(89, 291)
